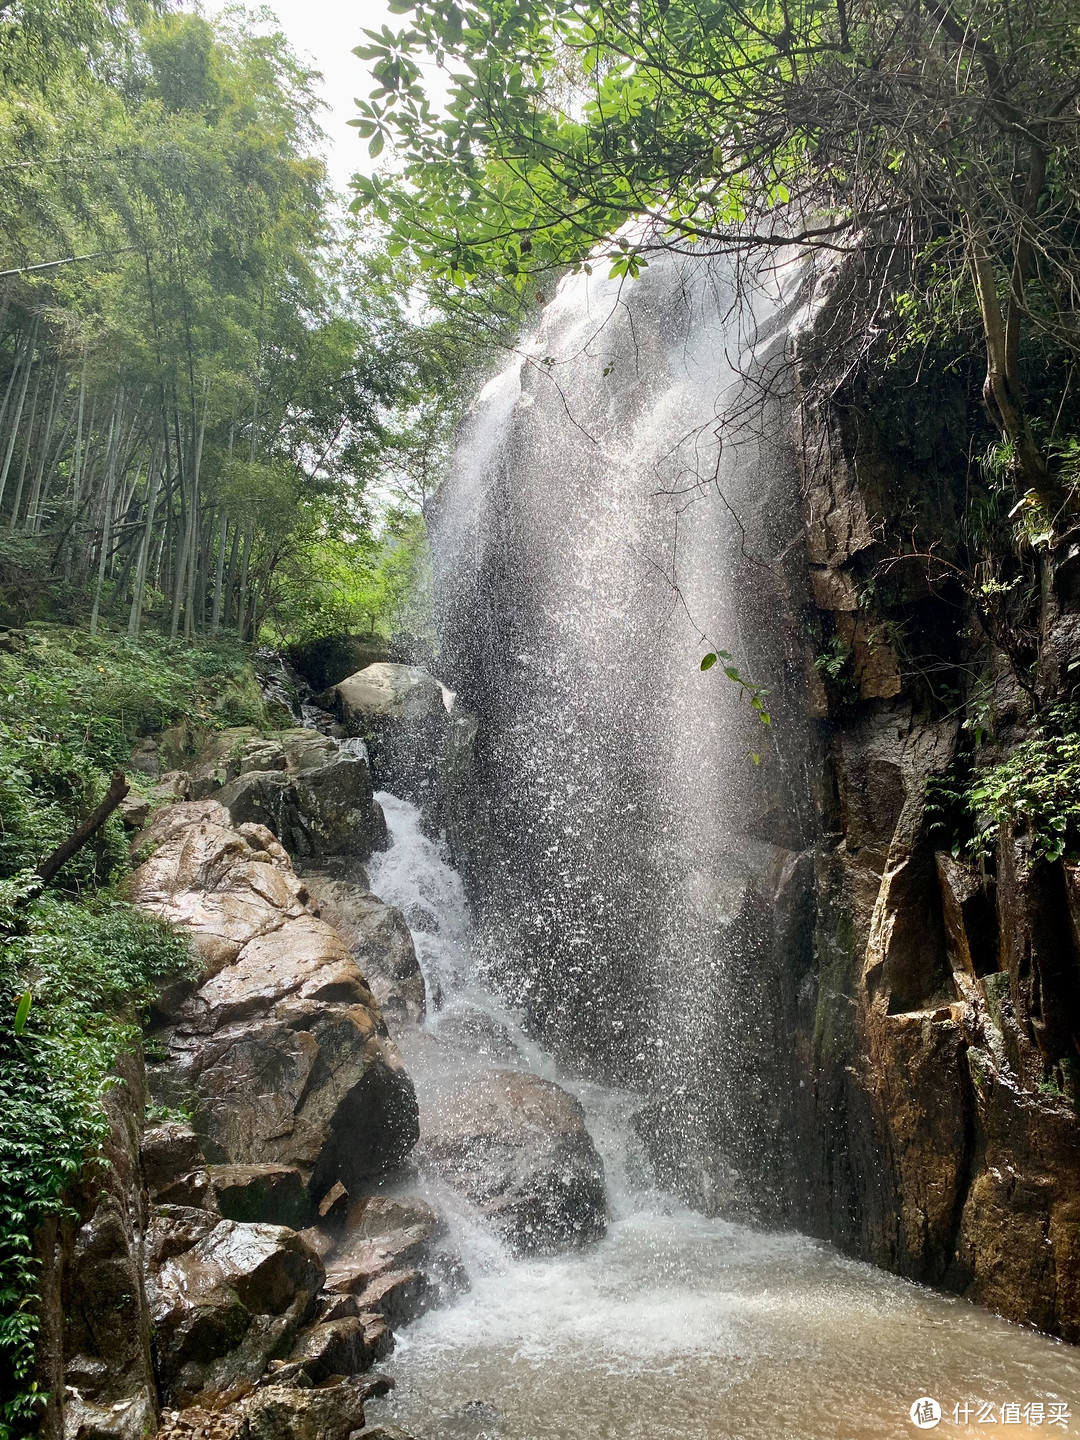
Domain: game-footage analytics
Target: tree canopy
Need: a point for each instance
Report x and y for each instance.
(938, 140)
(203, 359)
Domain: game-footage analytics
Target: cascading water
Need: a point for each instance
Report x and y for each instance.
(622, 502)
(675, 1326)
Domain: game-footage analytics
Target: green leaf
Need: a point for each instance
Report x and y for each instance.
(708, 662)
(22, 1011)
(376, 145)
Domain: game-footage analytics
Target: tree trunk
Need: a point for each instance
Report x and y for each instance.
(34, 501)
(31, 345)
(27, 446)
(241, 619)
(110, 481)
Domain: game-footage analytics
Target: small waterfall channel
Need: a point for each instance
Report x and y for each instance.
(675, 1326)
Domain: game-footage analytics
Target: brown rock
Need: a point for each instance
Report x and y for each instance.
(166, 1152)
(95, 1318)
(398, 1296)
(335, 1199)
(212, 882)
(516, 1146)
(333, 1347)
(359, 1260)
(375, 1215)
(280, 1412)
(191, 1191)
(232, 752)
(175, 1229)
(877, 669)
(225, 1306)
(274, 1194)
(134, 811)
(833, 589)
(379, 940)
(317, 1088)
(970, 920)
(282, 1050)
(318, 1239)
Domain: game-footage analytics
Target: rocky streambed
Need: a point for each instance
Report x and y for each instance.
(245, 1258)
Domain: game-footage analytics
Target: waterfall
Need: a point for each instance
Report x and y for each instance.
(621, 502)
(619, 911)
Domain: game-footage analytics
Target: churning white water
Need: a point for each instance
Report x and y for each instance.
(675, 1326)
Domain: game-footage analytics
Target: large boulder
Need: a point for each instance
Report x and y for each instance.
(384, 691)
(281, 1054)
(379, 940)
(275, 1194)
(226, 1306)
(516, 1146)
(312, 792)
(404, 715)
(279, 1412)
(232, 752)
(286, 1060)
(220, 884)
(323, 807)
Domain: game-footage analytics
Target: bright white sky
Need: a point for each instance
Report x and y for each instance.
(324, 32)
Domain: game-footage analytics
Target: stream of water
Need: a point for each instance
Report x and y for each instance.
(675, 1326)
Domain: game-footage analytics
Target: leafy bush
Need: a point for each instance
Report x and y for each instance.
(44, 791)
(1036, 786)
(70, 706)
(89, 967)
(96, 694)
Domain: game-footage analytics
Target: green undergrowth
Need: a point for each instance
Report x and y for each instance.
(1036, 787)
(70, 708)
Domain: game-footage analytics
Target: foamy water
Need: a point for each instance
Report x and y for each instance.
(675, 1326)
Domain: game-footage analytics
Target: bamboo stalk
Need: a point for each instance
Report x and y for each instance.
(110, 470)
(27, 445)
(18, 412)
(153, 480)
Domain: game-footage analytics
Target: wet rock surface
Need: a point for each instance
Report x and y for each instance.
(939, 1035)
(517, 1148)
(318, 800)
(403, 713)
(199, 1276)
(225, 1307)
(282, 1050)
(95, 1346)
(379, 941)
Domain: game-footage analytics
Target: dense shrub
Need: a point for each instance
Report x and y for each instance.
(70, 707)
(1036, 787)
(90, 967)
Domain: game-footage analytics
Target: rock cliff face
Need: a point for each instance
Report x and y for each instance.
(937, 1030)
